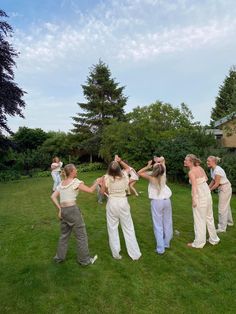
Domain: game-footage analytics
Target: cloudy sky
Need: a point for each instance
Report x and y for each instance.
(170, 50)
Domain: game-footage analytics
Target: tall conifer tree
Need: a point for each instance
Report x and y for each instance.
(11, 102)
(226, 99)
(105, 102)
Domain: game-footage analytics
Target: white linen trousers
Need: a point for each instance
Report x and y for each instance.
(118, 210)
(203, 216)
(224, 210)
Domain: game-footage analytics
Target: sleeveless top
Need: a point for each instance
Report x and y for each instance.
(159, 192)
(117, 186)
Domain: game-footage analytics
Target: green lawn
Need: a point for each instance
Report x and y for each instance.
(183, 280)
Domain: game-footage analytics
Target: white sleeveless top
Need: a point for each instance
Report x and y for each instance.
(159, 192)
(117, 187)
(70, 191)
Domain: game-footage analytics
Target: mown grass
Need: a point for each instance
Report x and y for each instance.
(181, 281)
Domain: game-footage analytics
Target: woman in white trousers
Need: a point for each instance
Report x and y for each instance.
(221, 182)
(159, 194)
(115, 184)
(201, 204)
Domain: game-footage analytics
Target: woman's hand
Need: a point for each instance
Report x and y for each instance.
(194, 204)
(100, 180)
(149, 164)
(117, 158)
(59, 214)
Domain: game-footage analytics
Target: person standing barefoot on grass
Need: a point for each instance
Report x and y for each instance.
(159, 194)
(70, 216)
(201, 204)
(115, 183)
(221, 182)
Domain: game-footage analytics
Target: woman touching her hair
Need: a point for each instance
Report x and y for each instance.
(159, 194)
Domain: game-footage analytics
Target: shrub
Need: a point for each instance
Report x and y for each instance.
(91, 167)
(9, 175)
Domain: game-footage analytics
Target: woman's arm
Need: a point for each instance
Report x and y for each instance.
(54, 165)
(85, 188)
(142, 172)
(54, 198)
(211, 184)
(216, 183)
(194, 188)
(122, 163)
(103, 189)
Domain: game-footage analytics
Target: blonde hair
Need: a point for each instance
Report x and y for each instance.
(158, 173)
(68, 169)
(196, 161)
(215, 158)
(55, 158)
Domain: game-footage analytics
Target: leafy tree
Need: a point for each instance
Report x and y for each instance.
(11, 102)
(27, 138)
(226, 100)
(158, 129)
(105, 102)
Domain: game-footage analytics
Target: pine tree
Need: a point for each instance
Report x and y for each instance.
(11, 102)
(105, 102)
(226, 99)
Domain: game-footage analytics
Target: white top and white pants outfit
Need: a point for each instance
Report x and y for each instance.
(225, 193)
(203, 216)
(161, 214)
(118, 210)
(56, 174)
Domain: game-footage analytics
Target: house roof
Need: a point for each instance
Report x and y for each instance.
(225, 119)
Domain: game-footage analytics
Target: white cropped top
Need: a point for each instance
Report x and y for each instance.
(117, 187)
(69, 192)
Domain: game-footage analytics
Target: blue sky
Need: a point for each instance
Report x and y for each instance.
(173, 51)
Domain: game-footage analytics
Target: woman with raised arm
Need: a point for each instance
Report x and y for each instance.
(115, 184)
(221, 182)
(71, 217)
(159, 194)
(201, 204)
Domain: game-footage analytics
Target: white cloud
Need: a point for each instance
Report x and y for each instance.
(126, 30)
(55, 56)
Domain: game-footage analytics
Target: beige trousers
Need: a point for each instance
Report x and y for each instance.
(203, 218)
(224, 210)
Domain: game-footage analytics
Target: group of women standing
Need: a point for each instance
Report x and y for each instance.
(115, 183)
(202, 200)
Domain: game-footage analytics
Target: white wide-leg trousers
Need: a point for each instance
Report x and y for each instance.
(224, 210)
(118, 210)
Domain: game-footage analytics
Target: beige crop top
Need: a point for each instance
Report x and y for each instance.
(69, 192)
(117, 187)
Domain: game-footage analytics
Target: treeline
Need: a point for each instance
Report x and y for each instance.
(157, 129)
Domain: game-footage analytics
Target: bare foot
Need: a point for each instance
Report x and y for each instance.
(189, 244)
